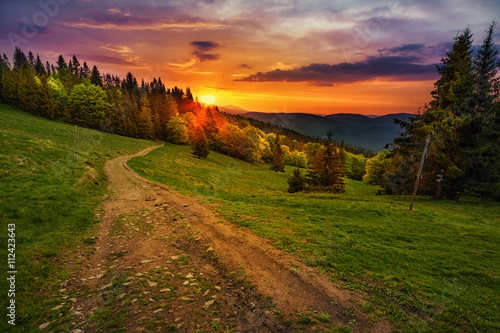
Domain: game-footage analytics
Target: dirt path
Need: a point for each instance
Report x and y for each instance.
(164, 262)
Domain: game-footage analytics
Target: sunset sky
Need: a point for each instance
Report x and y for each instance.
(323, 57)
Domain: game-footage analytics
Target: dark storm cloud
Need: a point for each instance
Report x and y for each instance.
(245, 66)
(202, 47)
(391, 67)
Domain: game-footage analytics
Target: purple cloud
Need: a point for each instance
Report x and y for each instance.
(106, 59)
(392, 67)
(202, 47)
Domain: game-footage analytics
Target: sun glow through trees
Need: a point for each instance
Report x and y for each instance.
(208, 99)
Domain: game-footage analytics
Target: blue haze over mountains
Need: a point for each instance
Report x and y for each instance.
(372, 133)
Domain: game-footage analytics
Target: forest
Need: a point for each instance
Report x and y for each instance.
(462, 121)
(74, 93)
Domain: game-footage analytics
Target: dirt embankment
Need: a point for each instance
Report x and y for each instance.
(164, 262)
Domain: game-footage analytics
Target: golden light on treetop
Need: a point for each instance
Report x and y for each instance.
(208, 99)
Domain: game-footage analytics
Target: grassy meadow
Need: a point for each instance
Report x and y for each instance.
(434, 269)
(51, 199)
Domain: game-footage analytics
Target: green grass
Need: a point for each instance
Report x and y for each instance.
(51, 199)
(435, 269)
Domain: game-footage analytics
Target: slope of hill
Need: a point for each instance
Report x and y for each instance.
(432, 269)
(353, 129)
(48, 198)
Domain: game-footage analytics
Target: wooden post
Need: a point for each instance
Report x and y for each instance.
(419, 174)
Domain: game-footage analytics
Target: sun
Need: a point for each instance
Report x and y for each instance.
(208, 99)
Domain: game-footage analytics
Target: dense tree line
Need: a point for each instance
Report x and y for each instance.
(300, 138)
(79, 94)
(463, 121)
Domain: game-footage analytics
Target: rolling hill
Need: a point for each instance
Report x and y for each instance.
(372, 133)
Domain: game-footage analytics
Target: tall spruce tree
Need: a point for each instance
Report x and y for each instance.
(95, 77)
(327, 172)
(61, 64)
(39, 68)
(464, 139)
(277, 163)
(19, 59)
(296, 181)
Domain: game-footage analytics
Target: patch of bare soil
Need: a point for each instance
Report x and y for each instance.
(163, 262)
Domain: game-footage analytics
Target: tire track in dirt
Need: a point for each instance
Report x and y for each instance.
(221, 252)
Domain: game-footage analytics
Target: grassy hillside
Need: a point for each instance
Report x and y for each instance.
(436, 269)
(51, 199)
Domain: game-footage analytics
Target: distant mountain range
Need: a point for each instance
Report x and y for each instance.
(370, 132)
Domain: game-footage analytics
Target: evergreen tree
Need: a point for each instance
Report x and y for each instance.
(130, 84)
(327, 172)
(85, 71)
(75, 70)
(31, 60)
(189, 95)
(144, 122)
(277, 164)
(486, 64)
(95, 77)
(19, 59)
(480, 144)
(48, 69)
(461, 122)
(39, 68)
(26, 90)
(296, 181)
(61, 64)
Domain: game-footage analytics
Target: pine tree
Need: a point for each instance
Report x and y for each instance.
(486, 64)
(277, 164)
(296, 182)
(144, 123)
(95, 77)
(85, 71)
(480, 144)
(61, 64)
(461, 122)
(31, 60)
(327, 172)
(39, 68)
(76, 66)
(19, 59)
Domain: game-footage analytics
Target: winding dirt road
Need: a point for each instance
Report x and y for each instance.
(163, 261)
